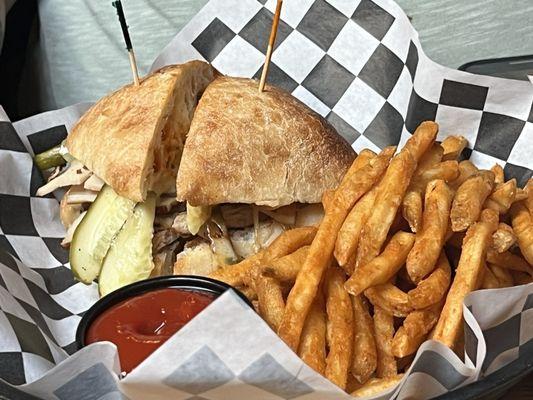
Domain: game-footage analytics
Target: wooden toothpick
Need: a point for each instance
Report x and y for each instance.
(271, 42)
(133, 63)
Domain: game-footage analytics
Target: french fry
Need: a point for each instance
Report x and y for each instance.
(286, 243)
(510, 261)
(364, 361)
(469, 199)
(503, 275)
(290, 241)
(430, 240)
(382, 268)
(249, 292)
(312, 348)
(286, 268)
(422, 139)
(521, 195)
(412, 206)
(504, 238)
(390, 191)
(453, 147)
(499, 176)
(489, 281)
(327, 198)
(340, 328)
(502, 197)
(528, 200)
(523, 228)
(432, 156)
(412, 202)
(466, 170)
(414, 330)
(467, 277)
(348, 236)
(432, 289)
(377, 385)
(354, 185)
(234, 274)
(384, 329)
(389, 298)
(271, 303)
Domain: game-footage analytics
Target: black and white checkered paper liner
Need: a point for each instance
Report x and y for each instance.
(357, 63)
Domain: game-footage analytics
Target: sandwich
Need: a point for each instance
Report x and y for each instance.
(189, 172)
(123, 155)
(254, 164)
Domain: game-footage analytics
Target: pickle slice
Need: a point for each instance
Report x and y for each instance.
(130, 257)
(93, 236)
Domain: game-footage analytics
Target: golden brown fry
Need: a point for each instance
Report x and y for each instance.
(271, 303)
(287, 243)
(469, 199)
(466, 170)
(384, 329)
(327, 198)
(286, 268)
(510, 261)
(453, 147)
(313, 344)
(364, 352)
(412, 202)
(430, 240)
(502, 197)
(432, 156)
(340, 328)
(489, 280)
(249, 292)
(389, 298)
(290, 241)
(467, 277)
(234, 274)
(348, 236)
(521, 195)
(503, 275)
(523, 229)
(412, 206)
(353, 186)
(432, 289)
(422, 139)
(390, 191)
(382, 268)
(499, 176)
(414, 330)
(504, 238)
(528, 190)
(377, 385)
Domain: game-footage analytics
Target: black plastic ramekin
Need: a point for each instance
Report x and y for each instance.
(183, 282)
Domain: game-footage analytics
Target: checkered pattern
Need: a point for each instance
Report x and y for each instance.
(40, 302)
(357, 63)
(360, 65)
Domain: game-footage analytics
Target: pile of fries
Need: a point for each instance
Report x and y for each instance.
(356, 296)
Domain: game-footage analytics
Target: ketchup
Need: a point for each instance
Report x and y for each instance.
(140, 324)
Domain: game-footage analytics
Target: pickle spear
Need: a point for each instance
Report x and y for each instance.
(93, 236)
(130, 256)
(50, 158)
